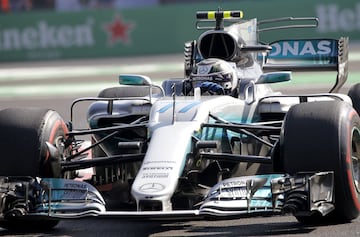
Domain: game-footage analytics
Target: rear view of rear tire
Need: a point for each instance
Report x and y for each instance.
(325, 136)
(23, 136)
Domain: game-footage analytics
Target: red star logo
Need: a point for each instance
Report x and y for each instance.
(118, 30)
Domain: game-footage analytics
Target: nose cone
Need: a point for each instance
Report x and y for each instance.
(164, 161)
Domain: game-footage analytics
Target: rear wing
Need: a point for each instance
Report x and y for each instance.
(310, 55)
(229, 42)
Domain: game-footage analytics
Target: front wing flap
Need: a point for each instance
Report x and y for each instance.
(26, 196)
(301, 194)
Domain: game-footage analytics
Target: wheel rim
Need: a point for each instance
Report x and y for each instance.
(355, 155)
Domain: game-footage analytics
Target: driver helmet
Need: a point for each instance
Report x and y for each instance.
(217, 71)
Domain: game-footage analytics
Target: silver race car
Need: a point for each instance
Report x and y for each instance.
(217, 143)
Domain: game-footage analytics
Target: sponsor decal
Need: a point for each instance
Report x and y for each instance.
(156, 172)
(300, 48)
(234, 193)
(152, 187)
(234, 189)
(234, 183)
(204, 69)
(118, 31)
(159, 162)
(75, 185)
(67, 190)
(157, 168)
(155, 175)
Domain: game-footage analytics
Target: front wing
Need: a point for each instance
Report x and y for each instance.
(301, 194)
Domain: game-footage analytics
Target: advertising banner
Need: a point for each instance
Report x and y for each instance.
(155, 30)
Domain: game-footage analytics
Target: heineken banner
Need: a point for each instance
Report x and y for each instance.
(155, 30)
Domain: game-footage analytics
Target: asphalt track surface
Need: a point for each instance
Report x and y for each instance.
(56, 84)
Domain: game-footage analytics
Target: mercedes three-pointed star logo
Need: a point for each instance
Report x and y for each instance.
(152, 187)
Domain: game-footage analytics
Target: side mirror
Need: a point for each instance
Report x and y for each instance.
(134, 80)
(274, 77)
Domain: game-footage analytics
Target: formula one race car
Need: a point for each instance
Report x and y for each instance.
(218, 143)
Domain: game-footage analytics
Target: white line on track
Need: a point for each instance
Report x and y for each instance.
(52, 73)
(53, 90)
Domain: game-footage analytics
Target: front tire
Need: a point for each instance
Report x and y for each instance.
(325, 136)
(24, 133)
(23, 136)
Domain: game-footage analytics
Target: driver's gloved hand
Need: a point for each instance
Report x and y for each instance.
(212, 88)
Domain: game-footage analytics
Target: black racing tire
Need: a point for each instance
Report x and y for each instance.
(354, 94)
(325, 136)
(24, 133)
